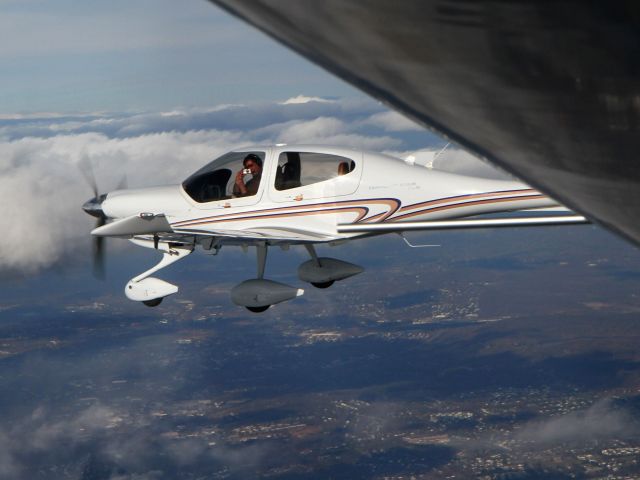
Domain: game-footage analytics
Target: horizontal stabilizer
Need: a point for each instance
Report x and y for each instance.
(460, 224)
(144, 224)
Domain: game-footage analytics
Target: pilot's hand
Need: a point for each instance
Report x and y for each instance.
(240, 182)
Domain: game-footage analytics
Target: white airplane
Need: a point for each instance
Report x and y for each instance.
(283, 195)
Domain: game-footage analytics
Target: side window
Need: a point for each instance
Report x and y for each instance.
(297, 169)
(216, 180)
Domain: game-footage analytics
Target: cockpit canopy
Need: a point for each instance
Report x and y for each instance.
(215, 180)
(312, 173)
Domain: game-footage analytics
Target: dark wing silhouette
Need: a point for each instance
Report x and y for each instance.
(550, 91)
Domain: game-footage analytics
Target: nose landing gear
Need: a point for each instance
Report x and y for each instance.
(149, 290)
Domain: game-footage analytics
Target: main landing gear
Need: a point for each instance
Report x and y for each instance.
(322, 272)
(258, 294)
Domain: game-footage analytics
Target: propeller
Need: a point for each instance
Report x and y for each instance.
(94, 208)
(86, 169)
(98, 253)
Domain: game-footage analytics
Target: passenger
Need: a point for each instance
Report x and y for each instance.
(343, 168)
(253, 164)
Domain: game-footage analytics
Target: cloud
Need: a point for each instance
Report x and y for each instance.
(106, 439)
(305, 99)
(245, 118)
(372, 423)
(600, 421)
(82, 425)
(454, 160)
(42, 189)
(464, 163)
(332, 131)
(242, 458)
(321, 127)
(32, 441)
(44, 434)
(393, 122)
(9, 465)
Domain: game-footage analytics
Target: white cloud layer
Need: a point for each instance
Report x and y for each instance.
(305, 99)
(455, 160)
(393, 122)
(43, 190)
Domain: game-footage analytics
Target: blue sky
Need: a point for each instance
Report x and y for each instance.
(79, 56)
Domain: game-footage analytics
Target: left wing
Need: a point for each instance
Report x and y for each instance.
(157, 224)
(142, 224)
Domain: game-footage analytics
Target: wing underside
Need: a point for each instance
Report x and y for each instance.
(546, 90)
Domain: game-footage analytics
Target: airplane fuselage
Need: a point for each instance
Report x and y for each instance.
(377, 189)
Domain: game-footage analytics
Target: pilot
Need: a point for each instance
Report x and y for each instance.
(252, 163)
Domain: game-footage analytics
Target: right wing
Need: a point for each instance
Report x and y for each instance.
(389, 227)
(547, 90)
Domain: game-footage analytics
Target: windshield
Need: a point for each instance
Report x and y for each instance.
(217, 180)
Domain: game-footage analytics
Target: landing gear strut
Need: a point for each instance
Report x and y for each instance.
(314, 257)
(262, 263)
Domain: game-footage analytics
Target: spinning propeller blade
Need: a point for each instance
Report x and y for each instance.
(86, 169)
(99, 252)
(94, 208)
